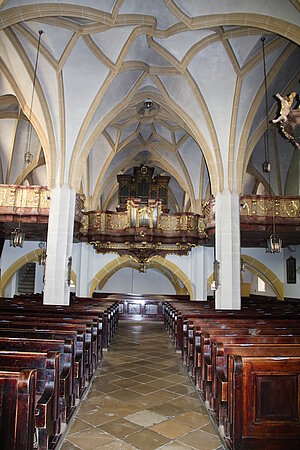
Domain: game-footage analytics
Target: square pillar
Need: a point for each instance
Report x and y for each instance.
(227, 250)
(59, 245)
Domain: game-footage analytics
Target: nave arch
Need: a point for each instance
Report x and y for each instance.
(175, 275)
(262, 271)
(30, 257)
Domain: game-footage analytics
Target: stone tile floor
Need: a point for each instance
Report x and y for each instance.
(141, 398)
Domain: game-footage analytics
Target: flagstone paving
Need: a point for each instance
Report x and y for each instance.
(141, 398)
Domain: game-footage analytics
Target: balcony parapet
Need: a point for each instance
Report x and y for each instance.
(29, 204)
(113, 232)
(24, 200)
(257, 207)
(110, 222)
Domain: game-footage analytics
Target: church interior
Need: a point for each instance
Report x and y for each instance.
(150, 224)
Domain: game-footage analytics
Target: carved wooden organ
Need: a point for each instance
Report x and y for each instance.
(143, 186)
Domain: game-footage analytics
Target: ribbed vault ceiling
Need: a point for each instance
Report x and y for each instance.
(199, 62)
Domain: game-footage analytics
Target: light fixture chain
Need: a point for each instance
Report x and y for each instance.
(266, 98)
(32, 94)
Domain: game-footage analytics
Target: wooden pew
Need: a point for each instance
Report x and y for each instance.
(71, 336)
(196, 328)
(263, 403)
(47, 417)
(179, 313)
(66, 350)
(83, 344)
(84, 325)
(266, 330)
(107, 313)
(221, 352)
(205, 356)
(17, 400)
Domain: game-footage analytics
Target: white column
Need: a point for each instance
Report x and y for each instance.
(227, 250)
(198, 273)
(59, 245)
(84, 269)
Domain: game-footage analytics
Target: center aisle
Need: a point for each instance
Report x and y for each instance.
(141, 398)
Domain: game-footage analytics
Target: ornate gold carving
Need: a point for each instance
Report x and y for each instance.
(79, 206)
(17, 198)
(142, 251)
(263, 206)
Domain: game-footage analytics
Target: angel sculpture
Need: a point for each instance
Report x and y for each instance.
(286, 105)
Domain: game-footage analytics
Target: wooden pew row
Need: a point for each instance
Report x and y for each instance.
(176, 316)
(24, 308)
(107, 311)
(105, 315)
(109, 316)
(253, 326)
(205, 356)
(206, 374)
(17, 400)
(40, 328)
(48, 335)
(47, 417)
(84, 326)
(66, 377)
(249, 327)
(81, 347)
(273, 307)
(76, 316)
(263, 406)
(198, 356)
(274, 336)
(272, 348)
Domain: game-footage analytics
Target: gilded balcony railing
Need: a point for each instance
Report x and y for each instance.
(17, 202)
(259, 208)
(107, 222)
(265, 206)
(23, 201)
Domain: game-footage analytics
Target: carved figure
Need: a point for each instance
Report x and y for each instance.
(286, 105)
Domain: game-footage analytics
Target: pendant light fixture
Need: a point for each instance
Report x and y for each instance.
(17, 236)
(274, 243)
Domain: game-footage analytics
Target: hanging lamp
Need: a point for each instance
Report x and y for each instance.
(274, 243)
(17, 236)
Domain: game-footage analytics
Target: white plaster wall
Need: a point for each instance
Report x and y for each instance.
(11, 254)
(11, 288)
(130, 281)
(274, 262)
(39, 278)
(183, 262)
(277, 263)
